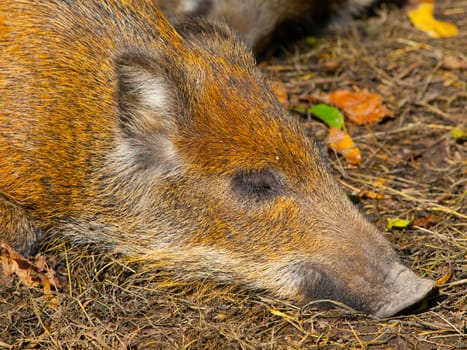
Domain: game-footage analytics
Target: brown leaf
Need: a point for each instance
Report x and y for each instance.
(427, 221)
(32, 272)
(14, 263)
(329, 66)
(361, 107)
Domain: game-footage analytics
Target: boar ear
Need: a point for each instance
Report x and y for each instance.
(146, 105)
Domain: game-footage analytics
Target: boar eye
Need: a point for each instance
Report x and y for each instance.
(258, 184)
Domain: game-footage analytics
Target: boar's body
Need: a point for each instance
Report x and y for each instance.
(169, 146)
(260, 20)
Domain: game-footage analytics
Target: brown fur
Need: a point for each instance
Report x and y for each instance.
(169, 146)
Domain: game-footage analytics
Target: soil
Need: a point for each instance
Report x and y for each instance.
(412, 159)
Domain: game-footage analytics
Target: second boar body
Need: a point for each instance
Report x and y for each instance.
(262, 21)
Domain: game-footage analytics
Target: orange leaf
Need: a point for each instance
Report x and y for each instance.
(421, 16)
(371, 194)
(454, 62)
(444, 279)
(280, 91)
(380, 182)
(361, 107)
(342, 143)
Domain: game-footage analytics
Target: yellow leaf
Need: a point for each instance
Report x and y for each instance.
(399, 223)
(422, 18)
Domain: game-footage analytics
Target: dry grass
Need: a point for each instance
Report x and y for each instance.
(110, 303)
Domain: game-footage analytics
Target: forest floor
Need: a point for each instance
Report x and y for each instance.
(412, 160)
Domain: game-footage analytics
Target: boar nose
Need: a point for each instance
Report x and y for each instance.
(403, 289)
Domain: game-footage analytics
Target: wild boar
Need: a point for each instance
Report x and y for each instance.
(167, 144)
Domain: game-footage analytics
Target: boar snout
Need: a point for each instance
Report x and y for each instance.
(400, 289)
(403, 289)
(397, 291)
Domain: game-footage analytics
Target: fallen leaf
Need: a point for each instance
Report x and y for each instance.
(421, 16)
(361, 107)
(444, 279)
(342, 143)
(380, 182)
(399, 223)
(329, 66)
(459, 133)
(371, 194)
(454, 62)
(280, 91)
(450, 79)
(330, 115)
(427, 221)
(14, 263)
(311, 41)
(32, 272)
(221, 317)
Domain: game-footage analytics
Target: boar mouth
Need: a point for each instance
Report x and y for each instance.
(400, 290)
(318, 284)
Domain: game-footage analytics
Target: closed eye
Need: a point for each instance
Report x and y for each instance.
(257, 184)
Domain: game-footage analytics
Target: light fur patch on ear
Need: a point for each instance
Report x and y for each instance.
(146, 112)
(150, 91)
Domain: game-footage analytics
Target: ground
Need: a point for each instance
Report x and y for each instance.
(412, 159)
